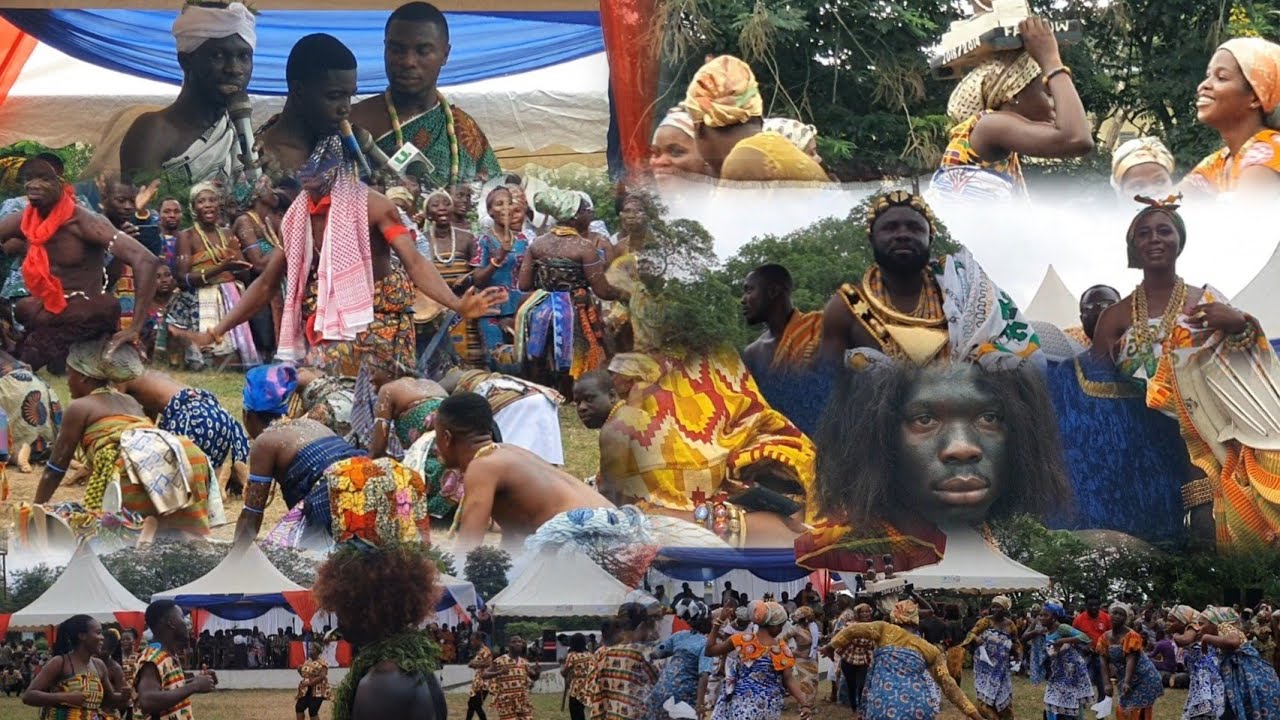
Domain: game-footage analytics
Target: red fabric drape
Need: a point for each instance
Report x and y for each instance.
(135, 621)
(304, 604)
(298, 654)
(15, 48)
(629, 42)
(4, 624)
(198, 618)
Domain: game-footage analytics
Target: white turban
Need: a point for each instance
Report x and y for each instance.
(197, 24)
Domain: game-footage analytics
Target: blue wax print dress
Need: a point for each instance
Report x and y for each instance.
(678, 679)
(757, 691)
(506, 276)
(993, 681)
(1069, 691)
(1206, 694)
(1146, 686)
(899, 686)
(1252, 688)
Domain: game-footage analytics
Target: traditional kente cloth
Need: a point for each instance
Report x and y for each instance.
(106, 457)
(906, 672)
(464, 334)
(105, 532)
(580, 665)
(480, 662)
(962, 316)
(1220, 172)
(390, 337)
(1206, 693)
(562, 329)
(992, 678)
(800, 340)
(1199, 377)
(758, 692)
(31, 406)
(87, 684)
(964, 175)
(1252, 688)
(171, 677)
(304, 490)
(84, 319)
(1068, 690)
(212, 303)
(695, 428)
(624, 679)
(1147, 686)
(791, 383)
(429, 132)
(1117, 452)
(510, 689)
(197, 414)
(770, 157)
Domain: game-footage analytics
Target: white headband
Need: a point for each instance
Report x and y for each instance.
(197, 24)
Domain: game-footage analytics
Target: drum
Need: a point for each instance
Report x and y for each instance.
(425, 309)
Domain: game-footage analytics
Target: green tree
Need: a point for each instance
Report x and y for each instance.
(27, 585)
(162, 565)
(486, 568)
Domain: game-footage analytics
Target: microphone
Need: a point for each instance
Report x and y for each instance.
(372, 151)
(353, 147)
(241, 112)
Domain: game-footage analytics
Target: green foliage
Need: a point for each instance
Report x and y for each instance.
(529, 630)
(486, 568)
(24, 586)
(444, 561)
(162, 565)
(412, 651)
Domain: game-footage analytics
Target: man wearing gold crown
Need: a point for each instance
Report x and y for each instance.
(920, 309)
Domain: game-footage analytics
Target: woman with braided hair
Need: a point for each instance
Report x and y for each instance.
(381, 595)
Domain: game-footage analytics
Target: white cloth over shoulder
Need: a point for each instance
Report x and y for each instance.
(534, 424)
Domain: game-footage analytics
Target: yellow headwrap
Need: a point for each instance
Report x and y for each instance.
(635, 366)
(1260, 62)
(723, 93)
(991, 85)
(905, 612)
(1139, 151)
(402, 193)
(1003, 601)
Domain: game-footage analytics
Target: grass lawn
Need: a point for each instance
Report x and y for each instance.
(581, 448)
(262, 704)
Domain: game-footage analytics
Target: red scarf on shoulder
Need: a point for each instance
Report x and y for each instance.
(35, 268)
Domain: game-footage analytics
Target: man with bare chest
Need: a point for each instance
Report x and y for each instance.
(344, 299)
(65, 269)
(533, 501)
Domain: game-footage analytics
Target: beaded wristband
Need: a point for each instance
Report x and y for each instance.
(55, 468)
(1057, 71)
(1196, 493)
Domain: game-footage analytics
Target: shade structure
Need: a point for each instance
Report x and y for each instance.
(84, 588)
(1258, 298)
(244, 585)
(457, 592)
(562, 584)
(776, 565)
(1053, 302)
(972, 564)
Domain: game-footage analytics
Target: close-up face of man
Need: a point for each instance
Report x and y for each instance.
(414, 53)
(951, 453)
(900, 240)
(219, 68)
(1093, 303)
(326, 99)
(593, 399)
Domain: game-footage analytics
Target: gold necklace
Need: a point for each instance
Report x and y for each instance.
(1140, 319)
(222, 242)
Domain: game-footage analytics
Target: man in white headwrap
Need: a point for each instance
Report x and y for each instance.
(1142, 167)
(193, 140)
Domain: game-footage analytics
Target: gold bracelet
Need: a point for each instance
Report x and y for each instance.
(1197, 493)
(1057, 71)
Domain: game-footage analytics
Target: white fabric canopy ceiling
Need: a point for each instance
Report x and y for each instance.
(243, 572)
(560, 585)
(1054, 303)
(971, 564)
(84, 587)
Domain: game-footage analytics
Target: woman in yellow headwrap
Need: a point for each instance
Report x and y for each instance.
(724, 102)
(1019, 103)
(1240, 98)
(1142, 167)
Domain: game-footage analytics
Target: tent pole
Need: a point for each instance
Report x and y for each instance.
(628, 29)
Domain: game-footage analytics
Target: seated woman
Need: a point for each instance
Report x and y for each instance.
(210, 264)
(559, 327)
(1240, 98)
(1003, 111)
(1142, 167)
(1197, 359)
(393, 673)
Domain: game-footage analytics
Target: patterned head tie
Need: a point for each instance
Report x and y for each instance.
(1184, 614)
(724, 93)
(1139, 151)
(268, 388)
(991, 85)
(1219, 616)
(1002, 601)
(1055, 608)
(1259, 60)
(803, 614)
(768, 614)
(563, 205)
(679, 119)
(1169, 206)
(88, 359)
(901, 198)
(905, 612)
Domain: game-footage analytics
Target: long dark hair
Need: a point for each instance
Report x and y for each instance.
(859, 439)
(71, 633)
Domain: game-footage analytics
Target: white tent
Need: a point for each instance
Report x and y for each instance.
(1053, 302)
(1258, 297)
(557, 113)
(243, 572)
(560, 585)
(84, 588)
(971, 564)
(463, 592)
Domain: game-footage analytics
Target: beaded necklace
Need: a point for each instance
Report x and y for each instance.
(453, 247)
(265, 229)
(222, 242)
(928, 306)
(450, 130)
(1140, 319)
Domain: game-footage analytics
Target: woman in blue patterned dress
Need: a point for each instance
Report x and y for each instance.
(1252, 688)
(994, 644)
(1033, 641)
(764, 673)
(1125, 666)
(906, 670)
(1206, 695)
(1068, 690)
(499, 253)
(684, 678)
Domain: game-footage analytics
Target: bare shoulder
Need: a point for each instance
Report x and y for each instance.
(372, 108)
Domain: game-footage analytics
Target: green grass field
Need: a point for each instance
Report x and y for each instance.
(263, 704)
